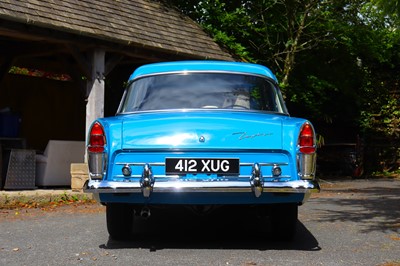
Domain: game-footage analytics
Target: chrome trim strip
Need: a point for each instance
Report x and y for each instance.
(183, 110)
(163, 164)
(263, 164)
(198, 71)
(298, 186)
(141, 164)
(126, 179)
(183, 150)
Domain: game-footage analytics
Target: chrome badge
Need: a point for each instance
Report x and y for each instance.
(202, 139)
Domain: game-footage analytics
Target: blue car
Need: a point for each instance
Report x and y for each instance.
(201, 134)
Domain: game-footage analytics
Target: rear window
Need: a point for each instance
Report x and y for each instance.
(202, 91)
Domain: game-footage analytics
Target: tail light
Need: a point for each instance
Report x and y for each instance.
(307, 139)
(306, 158)
(97, 156)
(97, 139)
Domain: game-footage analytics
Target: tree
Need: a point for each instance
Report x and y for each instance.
(275, 33)
(267, 32)
(338, 60)
(391, 7)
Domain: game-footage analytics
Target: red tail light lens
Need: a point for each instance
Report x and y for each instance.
(307, 139)
(97, 139)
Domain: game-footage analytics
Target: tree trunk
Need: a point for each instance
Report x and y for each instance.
(291, 50)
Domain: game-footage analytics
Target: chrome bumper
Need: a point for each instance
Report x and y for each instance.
(177, 186)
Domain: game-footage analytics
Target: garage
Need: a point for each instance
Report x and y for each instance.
(65, 63)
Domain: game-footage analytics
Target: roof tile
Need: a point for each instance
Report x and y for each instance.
(136, 22)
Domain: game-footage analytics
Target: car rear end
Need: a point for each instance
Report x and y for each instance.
(207, 134)
(204, 153)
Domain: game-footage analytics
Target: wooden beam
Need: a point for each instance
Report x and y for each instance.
(112, 63)
(84, 65)
(95, 89)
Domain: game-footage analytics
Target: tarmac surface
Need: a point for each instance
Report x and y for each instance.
(351, 222)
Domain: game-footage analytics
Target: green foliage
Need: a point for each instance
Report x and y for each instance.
(386, 121)
(226, 22)
(390, 7)
(314, 98)
(338, 62)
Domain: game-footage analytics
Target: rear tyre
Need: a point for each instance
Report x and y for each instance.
(119, 220)
(284, 221)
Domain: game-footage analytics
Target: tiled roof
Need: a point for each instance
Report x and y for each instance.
(139, 23)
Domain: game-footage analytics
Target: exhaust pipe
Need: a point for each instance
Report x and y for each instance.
(145, 212)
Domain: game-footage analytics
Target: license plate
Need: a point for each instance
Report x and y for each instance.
(228, 166)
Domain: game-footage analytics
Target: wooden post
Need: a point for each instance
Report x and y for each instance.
(95, 90)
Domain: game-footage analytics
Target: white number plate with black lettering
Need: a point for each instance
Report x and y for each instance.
(228, 166)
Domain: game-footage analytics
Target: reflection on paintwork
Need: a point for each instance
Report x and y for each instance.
(176, 140)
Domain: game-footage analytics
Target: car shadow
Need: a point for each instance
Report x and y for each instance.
(220, 230)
